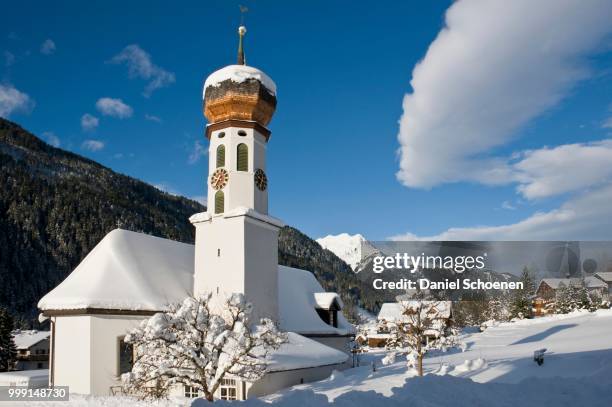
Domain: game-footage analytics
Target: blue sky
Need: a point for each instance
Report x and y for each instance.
(342, 70)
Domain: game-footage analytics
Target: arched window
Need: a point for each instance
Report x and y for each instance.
(221, 156)
(219, 202)
(243, 157)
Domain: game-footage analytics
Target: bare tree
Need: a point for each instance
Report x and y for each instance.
(198, 344)
(422, 327)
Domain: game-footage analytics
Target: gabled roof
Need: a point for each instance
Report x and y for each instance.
(137, 272)
(556, 283)
(393, 311)
(605, 276)
(27, 339)
(326, 300)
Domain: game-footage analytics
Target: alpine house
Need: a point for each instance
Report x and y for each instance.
(130, 276)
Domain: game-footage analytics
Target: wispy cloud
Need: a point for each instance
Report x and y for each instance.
(92, 145)
(484, 77)
(152, 118)
(197, 152)
(114, 107)
(89, 122)
(13, 100)
(51, 138)
(140, 65)
(508, 206)
(47, 47)
(199, 198)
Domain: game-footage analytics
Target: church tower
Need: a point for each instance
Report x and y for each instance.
(236, 246)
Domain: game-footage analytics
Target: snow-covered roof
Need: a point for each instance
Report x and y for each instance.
(239, 74)
(27, 339)
(138, 272)
(127, 271)
(393, 311)
(30, 378)
(297, 303)
(238, 211)
(605, 276)
(590, 282)
(301, 352)
(325, 300)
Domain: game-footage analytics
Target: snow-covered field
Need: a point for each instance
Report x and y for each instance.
(497, 369)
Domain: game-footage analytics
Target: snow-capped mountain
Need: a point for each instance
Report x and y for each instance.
(350, 248)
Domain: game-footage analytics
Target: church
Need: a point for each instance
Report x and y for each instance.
(131, 276)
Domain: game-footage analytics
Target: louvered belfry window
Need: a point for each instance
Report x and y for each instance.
(219, 202)
(221, 156)
(243, 157)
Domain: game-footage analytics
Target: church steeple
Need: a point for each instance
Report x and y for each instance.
(241, 58)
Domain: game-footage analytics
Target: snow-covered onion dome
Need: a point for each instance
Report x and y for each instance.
(239, 92)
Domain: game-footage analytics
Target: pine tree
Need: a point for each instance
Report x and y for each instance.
(8, 352)
(563, 301)
(521, 306)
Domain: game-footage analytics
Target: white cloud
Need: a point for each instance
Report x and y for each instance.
(89, 122)
(167, 188)
(114, 107)
(12, 100)
(508, 206)
(152, 118)
(587, 217)
(51, 138)
(47, 47)
(140, 65)
(568, 168)
(198, 152)
(92, 145)
(494, 66)
(607, 124)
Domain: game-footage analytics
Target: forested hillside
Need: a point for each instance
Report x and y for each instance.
(55, 206)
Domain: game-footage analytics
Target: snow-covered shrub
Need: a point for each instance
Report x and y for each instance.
(199, 343)
(389, 358)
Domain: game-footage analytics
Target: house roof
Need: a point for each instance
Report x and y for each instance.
(605, 276)
(393, 311)
(26, 339)
(138, 272)
(590, 282)
(300, 352)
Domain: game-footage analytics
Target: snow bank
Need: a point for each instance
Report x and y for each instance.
(239, 74)
(31, 378)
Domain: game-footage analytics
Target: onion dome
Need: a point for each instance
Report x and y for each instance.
(239, 92)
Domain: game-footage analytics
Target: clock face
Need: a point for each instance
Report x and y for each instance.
(261, 181)
(219, 178)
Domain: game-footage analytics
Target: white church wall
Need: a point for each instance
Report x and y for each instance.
(106, 331)
(72, 352)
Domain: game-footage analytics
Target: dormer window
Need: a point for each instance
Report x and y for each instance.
(327, 307)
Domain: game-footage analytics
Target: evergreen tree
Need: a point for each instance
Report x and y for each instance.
(563, 301)
(8, 352)
(521, 306)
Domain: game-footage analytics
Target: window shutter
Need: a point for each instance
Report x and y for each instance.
(243, 157)
(221, 156)
(219, 202)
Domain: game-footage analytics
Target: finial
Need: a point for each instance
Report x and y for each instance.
(241, 31)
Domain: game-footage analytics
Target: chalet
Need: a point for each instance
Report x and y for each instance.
(32, 349)
(606, 277)
(392, 313)
(549, 287)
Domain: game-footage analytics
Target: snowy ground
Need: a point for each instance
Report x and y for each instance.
(499, 372)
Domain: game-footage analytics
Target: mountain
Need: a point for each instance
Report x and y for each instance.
(55, 206)
(350, 248)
